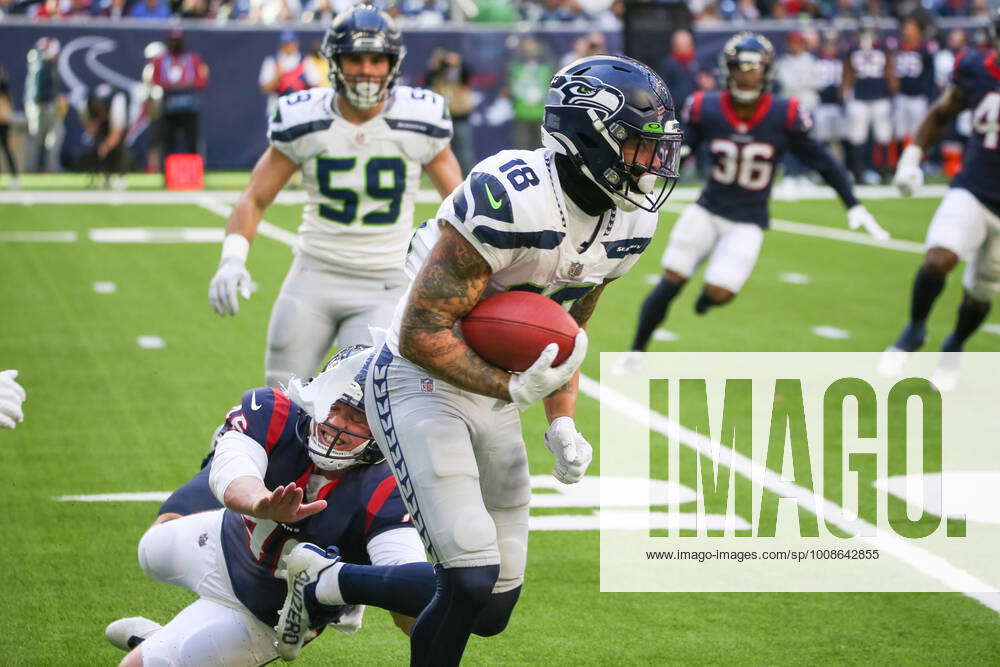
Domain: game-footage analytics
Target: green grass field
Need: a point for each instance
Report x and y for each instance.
(105, 415)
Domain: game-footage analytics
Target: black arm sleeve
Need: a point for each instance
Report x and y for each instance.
(814, 155)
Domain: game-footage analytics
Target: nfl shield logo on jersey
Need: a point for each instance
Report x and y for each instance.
(426, 385)
(575, 270)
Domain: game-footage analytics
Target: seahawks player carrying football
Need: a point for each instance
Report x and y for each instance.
(967, 222)
(361, 147)
(747, 130)
(562, 221)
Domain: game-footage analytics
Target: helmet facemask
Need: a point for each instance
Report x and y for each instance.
(363, 91)
(325, 437)
(648, 164)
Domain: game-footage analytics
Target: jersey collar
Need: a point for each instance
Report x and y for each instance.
(740, 125)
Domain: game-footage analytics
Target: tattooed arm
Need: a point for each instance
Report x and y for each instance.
(450, 283)
(562, 403)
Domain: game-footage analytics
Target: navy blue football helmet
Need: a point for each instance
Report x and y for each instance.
(363, 29)
(324, 436)
(614, 118)
(747, 51)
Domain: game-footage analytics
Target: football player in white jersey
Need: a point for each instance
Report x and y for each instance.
(361, 147)
(562, 221)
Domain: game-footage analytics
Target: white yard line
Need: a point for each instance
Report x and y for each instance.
(38, 237)
(908, 552)
(266, 229)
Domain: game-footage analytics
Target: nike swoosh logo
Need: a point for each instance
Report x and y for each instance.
(254, 405)
(493, 202)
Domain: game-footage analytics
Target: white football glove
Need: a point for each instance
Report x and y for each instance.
(231, 277)
(573, 452)
(541, 378)
(11, 397)
(858, 217)
(909, 176)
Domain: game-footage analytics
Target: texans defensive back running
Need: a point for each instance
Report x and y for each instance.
(562, 221)
(967, 222)
(361, 147)
(747, 130)
(330, 485)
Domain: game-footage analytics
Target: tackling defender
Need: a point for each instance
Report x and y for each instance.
(747, 130)
(967, 222)
(361, 147)
(285, 476)
(562, 221)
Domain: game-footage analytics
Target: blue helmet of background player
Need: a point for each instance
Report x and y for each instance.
(614, 118)
(743, 52)
(324, 436)
(363, 29)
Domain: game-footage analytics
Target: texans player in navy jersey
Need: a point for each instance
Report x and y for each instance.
(869, 82)
(967, 222)
(747, 130)
(285, 477)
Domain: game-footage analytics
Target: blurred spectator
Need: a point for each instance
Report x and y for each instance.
(320, 11)
(529, 73)
(319, 64)
(105, 120)
(590, 44)
(181, 74)
(194, 9)
(274, 11)
(150, 9)
(610, 19)
(286, 71)
(449, 77)
(151, 107)
(680, 69)
(6, 116)
(44, 106)
(797, 73)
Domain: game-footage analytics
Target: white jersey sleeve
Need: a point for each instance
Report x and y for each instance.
(296, 117)
(499, 209)
(424, 116)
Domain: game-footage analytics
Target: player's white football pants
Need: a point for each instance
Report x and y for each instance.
(731, 248)
(828, 123)
(460, 463)
(216, 629)
(862, 114)
(318, 305)
(907, 113)
(965, 226)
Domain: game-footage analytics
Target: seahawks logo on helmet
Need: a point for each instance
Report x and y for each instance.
(587, 92)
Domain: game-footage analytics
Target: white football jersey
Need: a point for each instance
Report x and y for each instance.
(361, 180)
(512, 209)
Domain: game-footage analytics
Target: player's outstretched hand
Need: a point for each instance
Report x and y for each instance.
(231, 278)
(542, 378)
(285, 505)
(573, 452)
(858, 217)
(909, 176)
(11, 397)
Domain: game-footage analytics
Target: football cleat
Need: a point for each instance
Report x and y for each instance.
(628, 363)
(892, 361)
(127, 633)
(945, 375)
(305, 563)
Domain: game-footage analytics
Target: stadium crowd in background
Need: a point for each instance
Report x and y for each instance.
(431, 13)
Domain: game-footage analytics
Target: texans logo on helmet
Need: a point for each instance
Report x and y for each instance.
(587, 91)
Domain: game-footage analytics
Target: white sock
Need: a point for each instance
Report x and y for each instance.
(328, 586)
